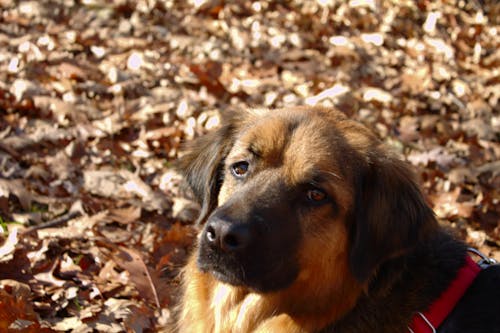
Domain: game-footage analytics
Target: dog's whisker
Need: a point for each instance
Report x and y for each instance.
(243, 273)
(330, 173)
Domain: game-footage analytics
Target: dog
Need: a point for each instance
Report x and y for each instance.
(310, 224)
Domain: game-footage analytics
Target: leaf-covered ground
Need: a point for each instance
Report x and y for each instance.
(97, 96)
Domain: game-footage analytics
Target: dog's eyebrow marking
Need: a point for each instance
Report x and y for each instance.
(319, 177)
(315, 183)
(252, 149)
(329, 174)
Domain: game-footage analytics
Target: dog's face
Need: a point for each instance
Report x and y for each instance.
(300, 195)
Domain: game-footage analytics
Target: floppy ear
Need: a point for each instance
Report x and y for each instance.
(390, 217)
(202, 166)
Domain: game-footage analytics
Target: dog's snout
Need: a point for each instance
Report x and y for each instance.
(228, 236)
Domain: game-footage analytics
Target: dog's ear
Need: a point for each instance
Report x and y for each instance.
(202, 165)
(390, 214)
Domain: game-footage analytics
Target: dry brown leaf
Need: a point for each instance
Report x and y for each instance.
(16, 312)
(448, 205)
(71, 71)
(132, 262)
(123, 184)
(125, 215)
(208, 75)
(9, 245)
(16, 187)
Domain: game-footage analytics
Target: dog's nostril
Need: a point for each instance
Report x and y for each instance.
(236, 238)
(211, 234)
(231, 241)
(227, 236)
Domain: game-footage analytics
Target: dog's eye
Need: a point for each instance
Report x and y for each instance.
(239, 169)
(315, 195)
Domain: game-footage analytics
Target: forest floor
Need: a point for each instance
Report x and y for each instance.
(97, 96)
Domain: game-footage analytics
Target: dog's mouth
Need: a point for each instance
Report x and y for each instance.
(226, 270)
(262, 275)
(225, 276)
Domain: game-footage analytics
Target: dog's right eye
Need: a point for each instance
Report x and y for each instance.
(239, 169)
(316, 196)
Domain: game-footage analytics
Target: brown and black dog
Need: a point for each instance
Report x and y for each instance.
(311, 225)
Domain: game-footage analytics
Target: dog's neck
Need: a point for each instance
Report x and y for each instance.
(238, 309)
(413, 281)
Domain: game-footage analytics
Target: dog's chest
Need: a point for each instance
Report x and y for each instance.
(236, 311)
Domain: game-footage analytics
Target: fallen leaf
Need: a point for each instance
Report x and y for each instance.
(9, 245)
(132, 262)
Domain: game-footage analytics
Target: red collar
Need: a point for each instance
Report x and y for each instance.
(430, 320)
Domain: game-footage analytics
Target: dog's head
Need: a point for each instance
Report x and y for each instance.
(300, 194)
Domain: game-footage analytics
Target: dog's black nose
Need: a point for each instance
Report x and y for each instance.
(226, 235)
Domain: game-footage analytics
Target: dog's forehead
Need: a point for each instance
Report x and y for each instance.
(268, 137)
(300, 142)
